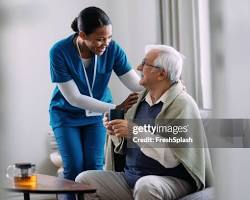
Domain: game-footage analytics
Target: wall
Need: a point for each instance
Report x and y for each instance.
(230, 72)
(134, 27)
(28, 29)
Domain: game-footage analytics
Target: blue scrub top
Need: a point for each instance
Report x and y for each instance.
(65, 65)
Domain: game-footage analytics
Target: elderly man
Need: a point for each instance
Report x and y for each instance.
(154, 173)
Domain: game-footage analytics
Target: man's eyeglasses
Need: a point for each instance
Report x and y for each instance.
(143, 63)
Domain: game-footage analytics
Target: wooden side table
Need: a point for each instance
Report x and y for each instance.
(53, 185)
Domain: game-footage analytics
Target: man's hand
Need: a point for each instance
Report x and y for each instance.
(120, 128)
(129, 102)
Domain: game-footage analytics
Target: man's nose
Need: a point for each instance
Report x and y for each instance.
(139, 67)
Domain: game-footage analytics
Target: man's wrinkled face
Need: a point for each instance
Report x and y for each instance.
(149, 72)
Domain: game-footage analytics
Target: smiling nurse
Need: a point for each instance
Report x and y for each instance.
(81, 66)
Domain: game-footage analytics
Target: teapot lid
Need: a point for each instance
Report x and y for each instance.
(24, 165)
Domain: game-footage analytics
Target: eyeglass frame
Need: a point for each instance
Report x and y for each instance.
(143, 63)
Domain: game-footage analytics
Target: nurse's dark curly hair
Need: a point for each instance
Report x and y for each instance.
(89, 19)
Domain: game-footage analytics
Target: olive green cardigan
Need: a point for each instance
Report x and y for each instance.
(178, 105)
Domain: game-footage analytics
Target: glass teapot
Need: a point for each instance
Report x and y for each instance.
(23, 174)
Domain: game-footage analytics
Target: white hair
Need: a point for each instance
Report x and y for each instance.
(169, 59)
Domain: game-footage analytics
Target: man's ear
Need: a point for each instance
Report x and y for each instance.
(82, 35)
(163, 75)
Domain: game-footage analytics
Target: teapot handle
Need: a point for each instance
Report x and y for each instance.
(10, 172)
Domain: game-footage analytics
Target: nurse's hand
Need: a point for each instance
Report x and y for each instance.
(129, 102)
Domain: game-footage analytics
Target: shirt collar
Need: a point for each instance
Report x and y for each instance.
(162, 99)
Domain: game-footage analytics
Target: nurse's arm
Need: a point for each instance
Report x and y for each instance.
(131, 81)
(72, 94)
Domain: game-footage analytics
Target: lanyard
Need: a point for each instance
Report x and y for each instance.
(85, 73)
(94, 76)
